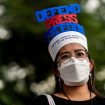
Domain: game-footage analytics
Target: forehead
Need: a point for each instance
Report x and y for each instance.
(71, 47)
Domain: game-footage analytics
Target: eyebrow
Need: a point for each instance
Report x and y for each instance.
(67, 52)
(80, 50)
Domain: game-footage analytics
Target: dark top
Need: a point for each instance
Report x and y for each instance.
(42, 100)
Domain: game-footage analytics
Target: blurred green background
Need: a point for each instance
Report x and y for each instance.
(25, 64)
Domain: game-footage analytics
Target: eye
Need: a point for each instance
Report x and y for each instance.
(64, 57)
(81, 54)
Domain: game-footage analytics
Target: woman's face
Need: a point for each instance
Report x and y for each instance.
(65, 68)
(71, 50)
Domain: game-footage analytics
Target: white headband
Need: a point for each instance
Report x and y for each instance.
(65, 38)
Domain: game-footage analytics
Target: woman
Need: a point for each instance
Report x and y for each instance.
(73, 69)
(74, 72)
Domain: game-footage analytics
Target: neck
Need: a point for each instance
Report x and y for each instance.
(77, 92)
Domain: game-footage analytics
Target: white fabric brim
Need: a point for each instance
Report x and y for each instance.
(65, 38)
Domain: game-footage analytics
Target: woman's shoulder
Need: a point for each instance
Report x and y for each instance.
(39, 100)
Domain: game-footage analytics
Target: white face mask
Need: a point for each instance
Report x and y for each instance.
(74, 72)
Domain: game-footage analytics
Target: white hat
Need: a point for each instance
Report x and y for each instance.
(65, 38)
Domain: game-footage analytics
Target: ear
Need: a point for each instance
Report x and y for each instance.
(56, 72)
(91, 65)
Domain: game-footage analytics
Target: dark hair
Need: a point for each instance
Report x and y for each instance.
(91, 82)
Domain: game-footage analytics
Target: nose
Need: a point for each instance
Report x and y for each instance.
(72, 59)
(72, 54)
